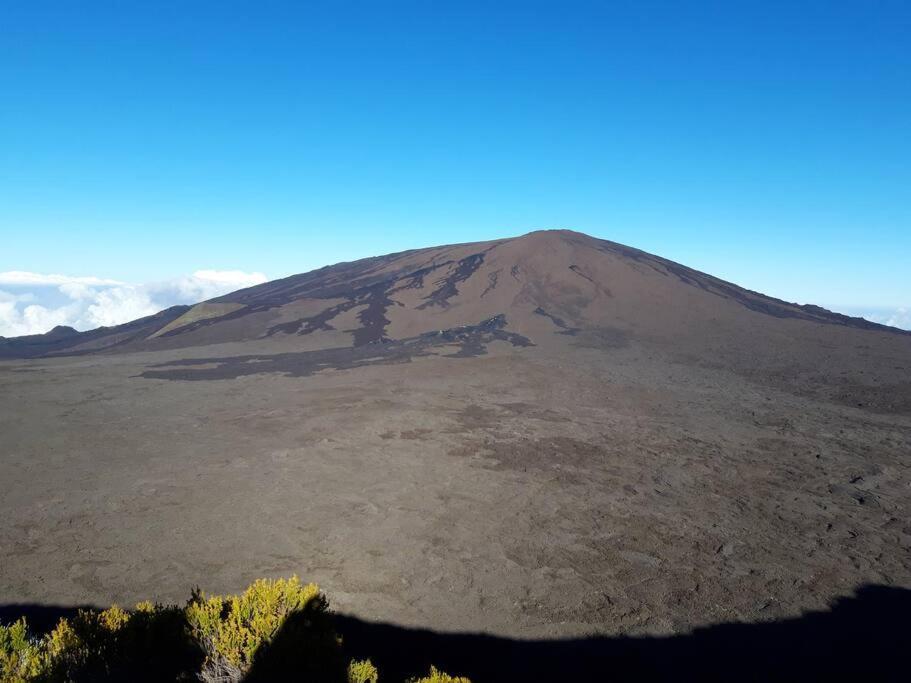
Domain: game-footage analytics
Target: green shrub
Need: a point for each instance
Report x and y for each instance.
(21, 657)
(275, 630)
(437, 676)
(148, 644)
(232, 630)
(362, 672)
(98, 645)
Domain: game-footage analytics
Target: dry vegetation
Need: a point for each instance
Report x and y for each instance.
(275, 630)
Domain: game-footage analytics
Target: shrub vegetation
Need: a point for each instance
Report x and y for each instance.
(275, 630)
(437, 676)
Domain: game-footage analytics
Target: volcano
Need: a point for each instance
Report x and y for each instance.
(546, 435)
(542, 283)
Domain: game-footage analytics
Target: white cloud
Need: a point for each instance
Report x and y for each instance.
(76, 290)
(9, 296)
(32, 319)
(120, 305)
(207, 284)
(900, 317)
(90, 302)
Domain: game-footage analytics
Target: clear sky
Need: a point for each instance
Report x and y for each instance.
(768, 143)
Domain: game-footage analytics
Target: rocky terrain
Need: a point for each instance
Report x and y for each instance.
(545, 436)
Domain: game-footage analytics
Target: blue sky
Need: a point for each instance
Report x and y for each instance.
(768, 143)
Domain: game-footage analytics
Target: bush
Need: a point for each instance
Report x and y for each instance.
(147, 644)
(437, 676)
(275, 630)
(21, 657)
(362, 672)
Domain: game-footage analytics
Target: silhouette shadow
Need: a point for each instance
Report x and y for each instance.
(866, 637)
(41, 618)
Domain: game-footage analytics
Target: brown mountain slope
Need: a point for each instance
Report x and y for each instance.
(67, 341)
(559, 289)
(548, 281)
(563, 276)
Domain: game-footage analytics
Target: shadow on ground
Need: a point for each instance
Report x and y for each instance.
(865, 637)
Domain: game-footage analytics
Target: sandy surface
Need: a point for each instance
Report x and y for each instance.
(609, 484)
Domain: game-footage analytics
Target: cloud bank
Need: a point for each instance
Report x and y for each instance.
(34, 303)
(899, 317)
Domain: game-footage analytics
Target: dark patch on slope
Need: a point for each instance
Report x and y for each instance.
(415, 279)
(578, 271)
(472, 340)
(559, 322)
(491, 282)
(374, 293)
(335, 281)
(357, 283)
(447, 287)
(373, 318)
(375, 296)
(352, 280)
(320, 321)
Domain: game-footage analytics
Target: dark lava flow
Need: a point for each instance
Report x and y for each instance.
(559, 322)
(376, 297)
(471, 340)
